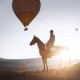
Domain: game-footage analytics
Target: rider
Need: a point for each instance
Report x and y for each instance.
(51, 41)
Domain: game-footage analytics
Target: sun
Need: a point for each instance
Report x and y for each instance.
(71, 56)
(64, 55)
(65, 58)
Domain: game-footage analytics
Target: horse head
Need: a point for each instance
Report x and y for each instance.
(33, 40)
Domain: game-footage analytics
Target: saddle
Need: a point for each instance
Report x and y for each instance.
(51, 52)
(53, 49)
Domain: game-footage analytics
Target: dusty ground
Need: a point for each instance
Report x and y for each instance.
(41, 75)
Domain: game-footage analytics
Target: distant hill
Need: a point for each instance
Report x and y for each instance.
(20, 64)
(75, 68)
(1, 58)
(24, 64)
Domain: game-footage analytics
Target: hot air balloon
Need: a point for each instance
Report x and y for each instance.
(76, 29)
(26, 10)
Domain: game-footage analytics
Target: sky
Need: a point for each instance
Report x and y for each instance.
(62, 16)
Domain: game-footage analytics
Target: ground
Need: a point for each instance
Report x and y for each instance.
(63, 74)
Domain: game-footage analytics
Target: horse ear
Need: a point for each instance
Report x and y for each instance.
(34, 36)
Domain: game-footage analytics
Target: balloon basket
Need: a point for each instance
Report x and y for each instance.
(25, 29)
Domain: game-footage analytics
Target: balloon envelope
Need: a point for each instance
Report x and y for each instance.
(26, 10)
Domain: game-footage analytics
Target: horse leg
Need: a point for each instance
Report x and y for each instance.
(43, 64)
(60, 62)
(69, 60)
(46, 64)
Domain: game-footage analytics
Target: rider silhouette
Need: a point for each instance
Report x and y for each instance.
(51, 41)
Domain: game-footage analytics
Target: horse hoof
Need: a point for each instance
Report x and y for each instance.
(47, 69)
(43, 70)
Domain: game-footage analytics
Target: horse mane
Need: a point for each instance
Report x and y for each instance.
(40, 40)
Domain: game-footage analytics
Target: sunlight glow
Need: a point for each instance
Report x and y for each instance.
(71, 56)
(64, 56)
(73, 44)
(75, 50)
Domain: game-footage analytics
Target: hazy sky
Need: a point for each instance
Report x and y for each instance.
(63, 16)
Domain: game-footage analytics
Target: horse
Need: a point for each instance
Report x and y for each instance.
(44, 53)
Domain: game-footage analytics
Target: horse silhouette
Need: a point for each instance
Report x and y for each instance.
(46, 53)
